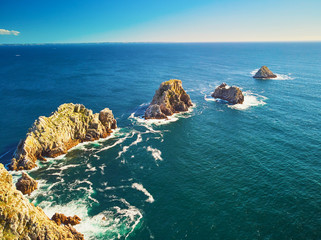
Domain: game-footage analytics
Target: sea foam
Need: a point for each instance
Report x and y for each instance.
(141, 188)
(155, 153)
(250, 100)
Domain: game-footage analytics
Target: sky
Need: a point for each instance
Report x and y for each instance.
(81, 21)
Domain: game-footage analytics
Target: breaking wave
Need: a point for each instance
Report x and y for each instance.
(141, 188)
(250, 100)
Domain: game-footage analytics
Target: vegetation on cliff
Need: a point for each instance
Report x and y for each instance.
(52, 136)
(20, 219)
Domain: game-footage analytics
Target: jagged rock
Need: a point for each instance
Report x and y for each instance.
(20, 219)
(233, 94)
(264, 72)
(60, 218)
(52, 136)
(170, 98)
(26, 184)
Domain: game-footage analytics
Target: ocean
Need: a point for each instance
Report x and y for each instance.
(250, 171)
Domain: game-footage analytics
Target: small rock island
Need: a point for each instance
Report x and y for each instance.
(264, 73)
(232, 94)
(170, 98)
(52, 136)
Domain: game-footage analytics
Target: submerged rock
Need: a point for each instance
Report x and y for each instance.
(170, 98)
(264, 72)
(52, 136)
(26, 184)
(20, 219)
(232, 94)
(60, 218)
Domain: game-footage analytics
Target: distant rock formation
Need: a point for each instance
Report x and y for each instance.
(20, 219)
(232, 94)
(52, 136)
(170, 98)
(60, 218)
(26, 184)
(264, 72)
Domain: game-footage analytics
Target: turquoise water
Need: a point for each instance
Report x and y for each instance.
(216, 172)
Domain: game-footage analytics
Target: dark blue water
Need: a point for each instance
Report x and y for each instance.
(217, 172)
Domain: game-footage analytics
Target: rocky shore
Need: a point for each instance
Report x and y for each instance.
(170, 98)
(52, 136)
(264, 72)
(232, 94)
(20, 219)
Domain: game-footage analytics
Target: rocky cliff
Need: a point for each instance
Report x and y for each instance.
(52, 136)
(20, 219)
(264, 72)
(233, 94)
(170, 98)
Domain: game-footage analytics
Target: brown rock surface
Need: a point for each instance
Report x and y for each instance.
(52, 136)
(170, 98)
(233, 94)
(20, 219)
(264, 72)
(60, 218)
(26, 184)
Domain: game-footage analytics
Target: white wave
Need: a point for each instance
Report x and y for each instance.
(209, 99)
(141, 188)
(90, 168)
(283, 77)
(125, 148)
(68, 166)
(155, 153)
(157, 122)
(82, 145)
(119, 141)
(116, 222)
(250, 100)
(254, 71)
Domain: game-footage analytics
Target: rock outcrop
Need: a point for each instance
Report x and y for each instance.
(264, 72)
(26, 184)
(20, 219)
(170, 98)
(52, 136)
(60, 218)
(232, 94)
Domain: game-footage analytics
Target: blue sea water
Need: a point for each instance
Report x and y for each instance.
(216, 172)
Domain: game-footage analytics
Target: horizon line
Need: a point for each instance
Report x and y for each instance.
(152, 42)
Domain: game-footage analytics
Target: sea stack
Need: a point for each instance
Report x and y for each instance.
(20, 219)
(170, 98)
(26, 184)
(264, 72)
(232, 94)
(52, 136)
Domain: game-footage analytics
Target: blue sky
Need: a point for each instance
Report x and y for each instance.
(47, 21)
